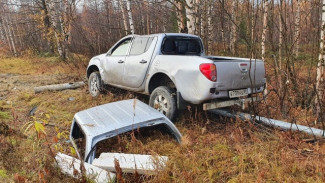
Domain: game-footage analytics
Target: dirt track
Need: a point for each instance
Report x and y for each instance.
(15, 83)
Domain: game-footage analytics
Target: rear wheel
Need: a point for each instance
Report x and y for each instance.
(95, 84)
(164, 100)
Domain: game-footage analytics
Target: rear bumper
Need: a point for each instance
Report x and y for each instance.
(227, 103)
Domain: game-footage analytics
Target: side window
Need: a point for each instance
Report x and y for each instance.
(140, 45)
(149, 43)
(122, 48)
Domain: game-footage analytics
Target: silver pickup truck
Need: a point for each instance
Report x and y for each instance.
(173, 69)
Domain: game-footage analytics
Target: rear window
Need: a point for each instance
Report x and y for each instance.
(173, 45)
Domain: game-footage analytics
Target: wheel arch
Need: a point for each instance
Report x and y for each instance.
(160, 79)
(91, 69)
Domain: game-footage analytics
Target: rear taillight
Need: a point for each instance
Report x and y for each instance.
(209, 71)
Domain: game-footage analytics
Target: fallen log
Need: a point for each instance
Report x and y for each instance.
(271, 122)
(59, 87)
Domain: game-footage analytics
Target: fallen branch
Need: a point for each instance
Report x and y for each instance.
(59, 87)
(271, 122)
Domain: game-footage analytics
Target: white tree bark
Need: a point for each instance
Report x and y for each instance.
(11, 35)
(2, 34)
(128, 6)
(8, 30)
(210, 28)
(190, 14)
(233, 32)
(61, 14)
(320, 68)
(280, 46)
(180, 16)
(297, 28)
(265, 3)
(54, 17)
(223, 25)
(126, 28)
(280, 35)
(6, 34)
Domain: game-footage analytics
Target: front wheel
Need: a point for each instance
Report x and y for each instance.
(163, 99)
(95, 84)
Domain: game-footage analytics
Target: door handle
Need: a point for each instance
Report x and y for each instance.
(143, 61)
(120, 61)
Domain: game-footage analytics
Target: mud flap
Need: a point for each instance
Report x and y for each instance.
(181, 103)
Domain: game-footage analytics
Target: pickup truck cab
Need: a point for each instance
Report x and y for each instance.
(173, 69)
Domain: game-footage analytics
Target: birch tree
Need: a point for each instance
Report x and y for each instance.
(233, 32)
(190, 14)
(210, 28)
(5, 32)
(320, 69)
(2, 34)
(125, 23)
(128, 6)
(280, 34)
(265, 13)
(9, 32)
(181, 19)
(147, 16)
(297, 28)
(61, 16)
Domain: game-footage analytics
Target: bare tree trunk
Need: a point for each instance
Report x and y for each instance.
(320, 69)
(252, 30)
(126, 28)
(6, 34)
(265, 3)
(280, 35)
(222, 25)
(54, 21)
(128, 6)
(69, 8)
(2, 34)
(233, 32)
(297, 28)
(180, 17)
(202, 23)
(190, 14)
(11, 35)
(210, 28)
(198, 16)
(148, 17)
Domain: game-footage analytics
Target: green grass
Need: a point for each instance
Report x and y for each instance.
(5, 115)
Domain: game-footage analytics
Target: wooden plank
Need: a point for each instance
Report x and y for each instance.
(129, 163)
(71, 166)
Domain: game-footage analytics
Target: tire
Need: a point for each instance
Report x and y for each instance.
(95, 84)
(164, 100)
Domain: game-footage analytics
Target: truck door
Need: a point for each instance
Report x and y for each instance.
(137, 62)
(114, 63)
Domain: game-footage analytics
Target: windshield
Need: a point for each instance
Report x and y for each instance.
(174, 45)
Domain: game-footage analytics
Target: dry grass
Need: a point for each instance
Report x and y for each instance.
(213, 149)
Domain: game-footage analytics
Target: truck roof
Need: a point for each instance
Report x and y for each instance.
(166, 34)
(109, 120)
